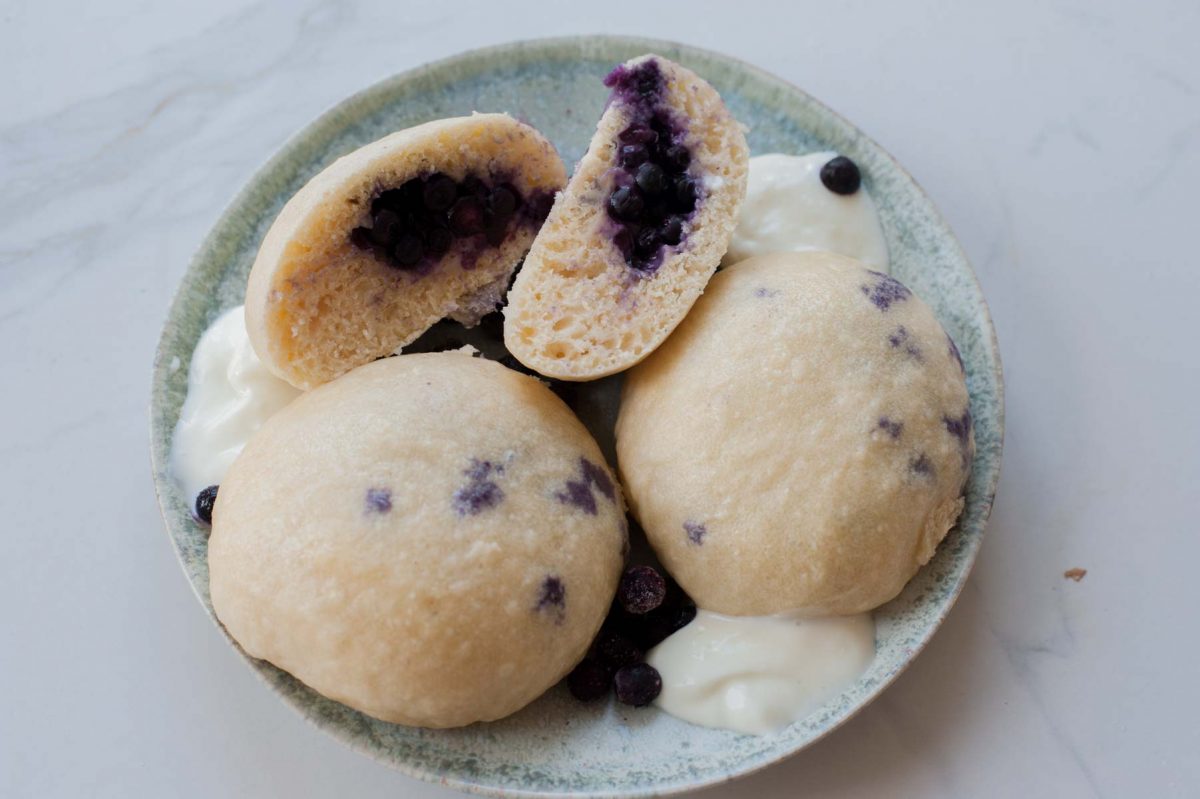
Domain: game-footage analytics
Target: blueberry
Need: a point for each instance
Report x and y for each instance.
(631, 155)
(438, 241)
(589, 681)
(360, 237)
(626, 203)
(637, 134)
(637, 685)
(642, 589)
(651, 179)
(624, 242)
(502, 202)
(841, 176)
(409, 249)
(385, 227)
(646, 243)
(204, 504)
(615, 650)
(466, 217)
(671, 231)
(411, 195)
(472, 186)
(676, 158)
(684, 194)
(439, 192)
(495, 231)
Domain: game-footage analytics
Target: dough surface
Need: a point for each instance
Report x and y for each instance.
(801, 442)
(431, 539)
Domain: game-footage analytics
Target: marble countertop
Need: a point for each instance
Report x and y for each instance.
(1062, 141)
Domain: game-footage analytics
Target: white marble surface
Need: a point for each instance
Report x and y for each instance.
(1062, 141)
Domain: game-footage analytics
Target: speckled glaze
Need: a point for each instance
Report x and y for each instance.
(556, 747)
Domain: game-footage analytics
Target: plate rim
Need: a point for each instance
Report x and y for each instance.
(544, 48)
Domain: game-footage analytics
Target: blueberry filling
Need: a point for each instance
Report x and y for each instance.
(414, 225)
(653, 194)
(841, 175)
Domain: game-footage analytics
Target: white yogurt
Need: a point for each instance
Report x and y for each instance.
(788, 208)
(230, 395)
(760, 674)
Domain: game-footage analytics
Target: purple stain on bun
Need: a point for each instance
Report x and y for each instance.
(378, 501)
(480, 491)
(695, 532)
(552, 597)
(955, 354)
(892, 428)
(885, 290)
(921, 465)
(579, 492)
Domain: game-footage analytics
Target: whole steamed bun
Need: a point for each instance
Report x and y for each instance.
(801, 442)
(431, 539)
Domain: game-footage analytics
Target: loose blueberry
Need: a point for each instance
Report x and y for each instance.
(409, 249)
(626, 203)
(615, 650)
(637, 685)
(439, 192)
(466, 217)
(642, 589)
(204, 504)
(841, 176)
(632, 155)
(676, 158)
(589, 681)
(651, 179)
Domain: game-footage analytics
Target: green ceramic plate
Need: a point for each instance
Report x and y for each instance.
(555, 746)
